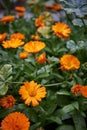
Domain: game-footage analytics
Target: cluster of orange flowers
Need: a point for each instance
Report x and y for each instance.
(31, 93)
(11, 18)
(34, 47)
(14, 41)
(20, 10)
(31, 47)
(60, 29)
(44, 19)
(79, 89)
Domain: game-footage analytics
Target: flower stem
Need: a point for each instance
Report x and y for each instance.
(55, 84)
(14, 82)
(65, 82)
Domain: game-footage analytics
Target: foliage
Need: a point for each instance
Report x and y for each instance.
(60, 109)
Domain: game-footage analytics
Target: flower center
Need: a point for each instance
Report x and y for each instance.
(32, 93)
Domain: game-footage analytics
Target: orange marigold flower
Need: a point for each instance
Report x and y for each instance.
(20, 9)
(39, 22)
(56, 7)
(12, 43)
(32, 93)
(42, 58)
(23, 55)
(69, 62)
(17, 36)
(61, 30)
(35, 37)
(76, 89)
(20, 14)
(84, 91)
(6, 19)
(2, 37)
(15, 121)
(7, 102)
(34, 46)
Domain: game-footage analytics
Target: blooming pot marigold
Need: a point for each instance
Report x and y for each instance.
(7, 102)
(12, 43)
(69, 62)
(23, 55)
(42, 58)
(76, 89)
(2, 37)
(17, 36)
(84, 91)
(61, 30)
(20, 14)
(56, 7)
(39, 22)
(20, 9)
(15, 121)
(6, 19)
(34, 46)
(32, 93)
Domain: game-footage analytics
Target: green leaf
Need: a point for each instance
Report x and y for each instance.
(71, 46)
(75, 105)
(5, 78)
(79, 121)
(66, 127)
(35, 126)
(78, 79)
(32, 115)
(46, 69)
(63, 100)
(55, 119)
(3, 113)
(77, 22)
(6, 70)
(21, 106)
(57, 76)
(63, 92)
(79, 7)
(3, 89)
(68, 108)
(43, 75)
(49, 105)
(9, 79)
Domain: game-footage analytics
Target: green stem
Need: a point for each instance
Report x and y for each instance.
(83, 24)
(14, 82)
(55, 84)
(7, 4)
(65, 82)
